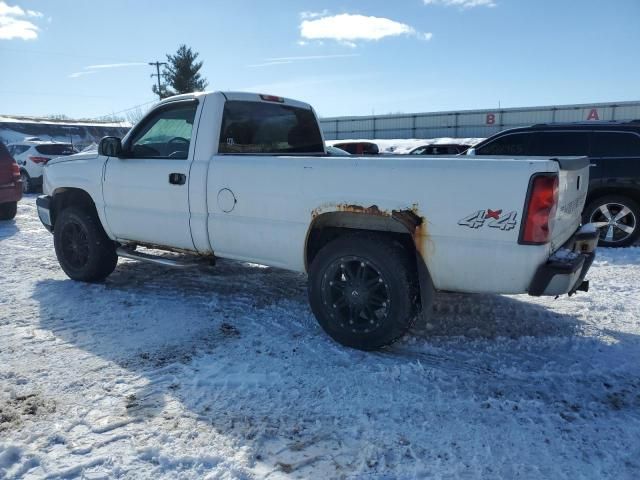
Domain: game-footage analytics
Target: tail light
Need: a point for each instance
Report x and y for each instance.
(39, 159)
(540, 210)
(15, 170)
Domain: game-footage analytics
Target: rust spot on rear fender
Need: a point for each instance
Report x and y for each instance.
(410, 218)
(416, 225)
(344, 207)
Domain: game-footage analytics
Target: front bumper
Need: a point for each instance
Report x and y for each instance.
(566, 269)
(43, 204)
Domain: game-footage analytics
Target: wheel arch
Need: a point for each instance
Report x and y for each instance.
(631, 192)
(406, 226)
(66, 196)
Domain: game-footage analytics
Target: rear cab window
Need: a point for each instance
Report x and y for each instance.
(270, 128)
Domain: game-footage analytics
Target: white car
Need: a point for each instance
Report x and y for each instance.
(32, 154)
(247, 177)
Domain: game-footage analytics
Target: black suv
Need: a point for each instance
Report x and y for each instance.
(613, 201)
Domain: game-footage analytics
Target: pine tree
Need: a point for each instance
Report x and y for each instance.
(182, 74)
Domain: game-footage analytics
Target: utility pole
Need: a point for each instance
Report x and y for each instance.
(157, 74)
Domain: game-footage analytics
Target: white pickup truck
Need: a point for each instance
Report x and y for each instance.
(246, 177)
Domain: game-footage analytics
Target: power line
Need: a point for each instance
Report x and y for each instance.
(123, 111)
(157, 65)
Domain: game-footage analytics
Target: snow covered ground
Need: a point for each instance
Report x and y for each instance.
(224, 373)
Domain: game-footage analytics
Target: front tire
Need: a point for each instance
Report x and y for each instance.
(363, 290)
(8, 210)
(83, 249)
(616, 218)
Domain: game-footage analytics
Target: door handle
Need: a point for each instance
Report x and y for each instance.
(177, 178)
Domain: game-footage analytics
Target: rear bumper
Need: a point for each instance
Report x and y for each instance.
(11, 192)
(43, 204)
(567, 268)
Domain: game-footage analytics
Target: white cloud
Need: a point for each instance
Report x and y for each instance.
(462, 3)
(82, 73)
(268, 62)
(90, 69)
(310, 15)
(14, 25)
(313, 57)
(115, 65)
(349, 28)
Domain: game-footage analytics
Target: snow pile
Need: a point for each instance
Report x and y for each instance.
(405, 145)
(224, 373)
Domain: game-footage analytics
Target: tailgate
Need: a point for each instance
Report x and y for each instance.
(573, 185)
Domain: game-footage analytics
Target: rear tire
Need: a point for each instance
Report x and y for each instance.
(362, 290)
(83, 249)
(27, 184)
(617, 218)
(8, 210)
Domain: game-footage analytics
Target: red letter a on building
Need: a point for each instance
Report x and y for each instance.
(593, 114)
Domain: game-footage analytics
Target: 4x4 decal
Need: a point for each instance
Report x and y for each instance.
(491, 218)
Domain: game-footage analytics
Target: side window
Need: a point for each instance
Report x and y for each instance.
(549, 144)
(166, 134)
(261, 127)
(510, 144)
(615, 144)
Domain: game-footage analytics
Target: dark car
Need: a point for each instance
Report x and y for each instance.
(440, 149)
(10, 184)
(358, 148)
(613, 200)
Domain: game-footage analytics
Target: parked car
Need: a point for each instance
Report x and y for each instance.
(359, 148)
(613, 198)
(32, 154)
(373, 234)
(336, 152)
(10, 184)
(440, 149)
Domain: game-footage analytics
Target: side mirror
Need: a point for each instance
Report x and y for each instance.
(471, 152)
(110, 147)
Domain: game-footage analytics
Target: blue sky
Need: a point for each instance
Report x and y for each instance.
(346, 57)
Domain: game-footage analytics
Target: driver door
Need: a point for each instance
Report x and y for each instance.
(146, 190)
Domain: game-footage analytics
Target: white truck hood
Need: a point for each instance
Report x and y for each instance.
(78, 156)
